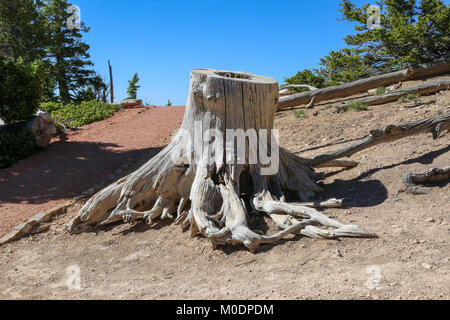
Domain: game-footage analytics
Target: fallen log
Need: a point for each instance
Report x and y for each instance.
(389, 133)
(423, 89)
(410, 180)
(362, 85)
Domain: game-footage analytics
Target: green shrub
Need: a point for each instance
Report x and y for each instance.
(413, 97)
(20, 89)
(329, 106)
(16, 143)
(80, 114)
(410, 97)
(300, 114)
(380, 90)
(50, 107)
(358, 105)
(313, 77)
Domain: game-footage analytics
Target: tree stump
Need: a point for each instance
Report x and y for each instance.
(217, 172)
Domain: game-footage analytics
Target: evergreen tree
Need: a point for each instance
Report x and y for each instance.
(133, 87)
(343, 66)
(312, 77)
(66, 50)
(410, 32)
(22, 29)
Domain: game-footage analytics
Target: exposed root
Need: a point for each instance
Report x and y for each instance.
(209, 201)
(410, 180)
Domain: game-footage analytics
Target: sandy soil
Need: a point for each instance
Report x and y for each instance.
(67, 168)
(409, 260)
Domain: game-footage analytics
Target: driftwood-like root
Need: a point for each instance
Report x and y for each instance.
(210, 202)
(410, 180)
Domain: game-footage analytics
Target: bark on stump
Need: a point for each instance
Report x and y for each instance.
(211, 187)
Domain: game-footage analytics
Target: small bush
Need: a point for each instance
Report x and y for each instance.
(81, 114)
(300, 114)
(358, 105)
(413, 97)
(380, 90)
(16, 143)
(20, 89)
(410, 97)
(50, 107)
(329, 106)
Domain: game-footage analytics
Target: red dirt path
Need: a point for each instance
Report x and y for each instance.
(88, 157)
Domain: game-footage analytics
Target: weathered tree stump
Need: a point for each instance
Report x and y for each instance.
(217, 172)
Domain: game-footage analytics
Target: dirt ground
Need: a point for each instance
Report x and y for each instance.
(87, 157)
(409, 260)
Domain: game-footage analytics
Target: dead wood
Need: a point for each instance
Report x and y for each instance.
(411, 180)
(390, 133)
(422, 89)
(350, 88)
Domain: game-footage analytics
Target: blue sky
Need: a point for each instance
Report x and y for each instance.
(164, 40)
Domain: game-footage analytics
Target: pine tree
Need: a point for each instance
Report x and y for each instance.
(411, 32)
(66, 50)
(133, 87)
(22, 29)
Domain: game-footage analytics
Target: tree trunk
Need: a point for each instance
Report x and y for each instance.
(111, 83)
(214, 178)
(423, 89)
(347, 89)
(62, 81)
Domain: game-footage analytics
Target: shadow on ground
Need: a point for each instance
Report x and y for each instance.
(64, 171)
(366, 193)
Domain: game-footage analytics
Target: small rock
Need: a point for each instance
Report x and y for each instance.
(316, 113)
(127, 103)
(338, 253)
(427, 266)
(430, 220)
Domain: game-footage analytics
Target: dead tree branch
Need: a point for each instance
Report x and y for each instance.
(389, 133)
(350, 88)
(423, 89)
(410, 180)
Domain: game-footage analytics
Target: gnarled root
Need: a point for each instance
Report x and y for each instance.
(210, 201)
(410, 180)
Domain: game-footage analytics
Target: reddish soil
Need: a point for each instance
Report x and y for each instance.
(86, 158)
